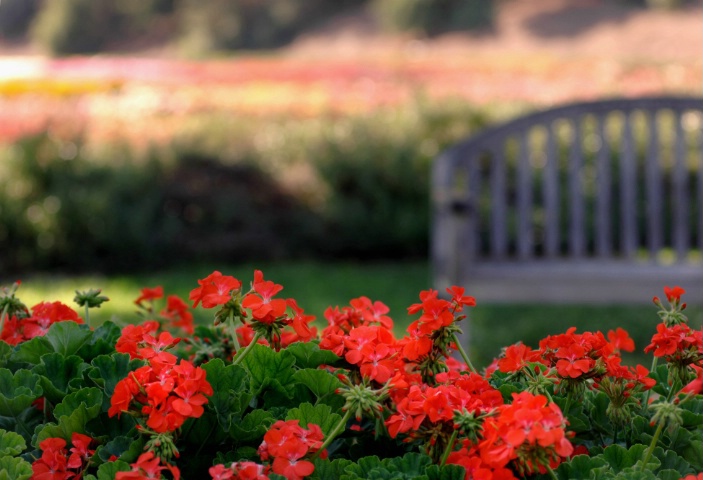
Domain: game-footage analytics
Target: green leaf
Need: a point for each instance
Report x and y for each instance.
(32, 350)
(107, 370)
(18, 391)
(101, 342)
(580, 467)
(108, 471)
(412, 464)
(5, 352)
(14, 468)
(91, 398)
(25, 423)
(270, 370)
(326, 470)
(11, 444)
(363, 467)
(446, 472)
(68, 337)
(618, 458)
(126, 449)
(668, 475)
(321, 383)
(56, 372)
(507, 391)
(320, 414)
(693, 454)
(598, 413)
(204, 430)
(670, 460)
(253, 426)
(309, 355)
(81, 407)
(230, 385)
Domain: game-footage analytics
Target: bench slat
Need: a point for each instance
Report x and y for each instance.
(680, 190)
(499, 237)
(653, 183)
(525, 243)
(576, 200)
(699, 158)
(603, 200)
(628, 192)
(551, 197)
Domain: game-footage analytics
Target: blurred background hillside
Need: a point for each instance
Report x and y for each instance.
(142, 133)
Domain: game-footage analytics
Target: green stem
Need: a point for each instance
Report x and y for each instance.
(655, 439)
(646, 398)
(2, 317)
(233, 332)
(568, 405)
(202, 444)
(463, 354)
(341, 425)
(449, 449)
(87, 314)
(239, 356)
(552, 473)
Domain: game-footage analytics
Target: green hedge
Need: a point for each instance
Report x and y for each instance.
(226, 195)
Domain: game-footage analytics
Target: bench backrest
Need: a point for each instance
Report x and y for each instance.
(615, 179)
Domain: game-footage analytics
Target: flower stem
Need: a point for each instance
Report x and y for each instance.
(239, 356)
(463, 354)
(646, 398)
(450, 448)
(233, 332)
(655, 439)
(552, 473)
(2, 317)
(341, 425)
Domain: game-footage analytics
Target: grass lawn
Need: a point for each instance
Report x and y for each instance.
(317, 285)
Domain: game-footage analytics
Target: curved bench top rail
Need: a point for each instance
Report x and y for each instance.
(576, 110)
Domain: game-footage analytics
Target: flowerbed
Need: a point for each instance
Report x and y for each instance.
(260, 393)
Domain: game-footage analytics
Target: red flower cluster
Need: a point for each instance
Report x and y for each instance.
(215, 289)
(459, 393)
(165, 392)
(17, 330)
(360, 312)
(147, 467)
(264, 308)
(469, 457)
(138, 341)
(436, 314)
(288, 442)
(59, 463)
(361, 334)
(675, 342)
(239, 471)
(529, 431)
(273, 312)
(176, 310)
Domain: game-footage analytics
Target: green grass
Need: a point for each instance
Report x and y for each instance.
(318, 285)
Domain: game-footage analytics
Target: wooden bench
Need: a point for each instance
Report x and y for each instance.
(597, 202)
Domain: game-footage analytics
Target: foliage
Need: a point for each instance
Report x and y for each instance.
(73, 26)
(260, 394)
(227, 194)
(220, 25)
(432, 17)
(15, 17)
